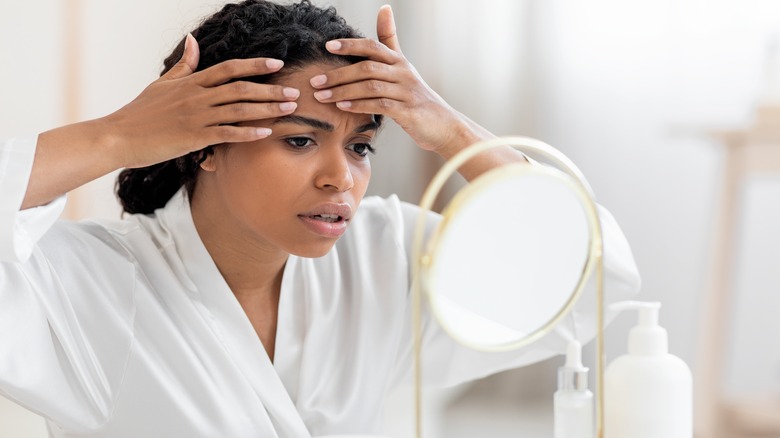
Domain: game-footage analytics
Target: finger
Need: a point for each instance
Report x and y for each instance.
(361, 71)
(188, 62)
(380, 105)
(368, 48)
(385, 28)
(370, 89)
(353, 73)
(191, 52)
(243, 91)
(246, 112)
(234, 134)
(237, 68)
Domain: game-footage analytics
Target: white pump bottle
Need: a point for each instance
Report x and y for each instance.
(648, 393)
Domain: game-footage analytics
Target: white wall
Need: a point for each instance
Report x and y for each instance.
(30, 96)
(628, 90)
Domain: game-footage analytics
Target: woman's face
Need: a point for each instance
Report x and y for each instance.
(297, 189)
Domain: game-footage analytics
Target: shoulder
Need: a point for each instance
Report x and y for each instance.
(379, 218)
(376, 208)
(388, 211)
(381, 225)
(86, 237)
(105, 241)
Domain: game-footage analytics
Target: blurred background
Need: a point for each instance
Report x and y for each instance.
(654, 100)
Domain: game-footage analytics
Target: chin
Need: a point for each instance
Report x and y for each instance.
(314, 250)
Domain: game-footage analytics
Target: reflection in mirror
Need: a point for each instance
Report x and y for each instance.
(508, 256)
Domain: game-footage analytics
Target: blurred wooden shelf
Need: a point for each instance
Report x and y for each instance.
(759, 416)
(747, 152)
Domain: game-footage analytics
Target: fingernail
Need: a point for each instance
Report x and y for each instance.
(263, 132)
(274, 63)
(324, 94)
(291, 92)
(318, 80)
(344, 104)
(287, 106)
(333, 45)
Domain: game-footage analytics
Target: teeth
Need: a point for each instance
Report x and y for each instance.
(328, 217)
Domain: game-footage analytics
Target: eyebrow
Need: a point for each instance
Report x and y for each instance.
(323, 125)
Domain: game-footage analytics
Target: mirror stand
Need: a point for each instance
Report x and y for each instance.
(424, 257)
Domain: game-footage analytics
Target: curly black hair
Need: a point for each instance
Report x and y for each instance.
(295, 33)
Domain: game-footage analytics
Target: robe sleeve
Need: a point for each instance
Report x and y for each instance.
(447, 363)
(20, 230)
(66, 305)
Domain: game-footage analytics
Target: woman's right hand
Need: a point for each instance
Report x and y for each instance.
(179, 113)
(184, 111)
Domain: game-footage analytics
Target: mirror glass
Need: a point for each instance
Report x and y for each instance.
(508, 256)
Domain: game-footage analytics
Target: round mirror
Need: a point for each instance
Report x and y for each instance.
(510, 256)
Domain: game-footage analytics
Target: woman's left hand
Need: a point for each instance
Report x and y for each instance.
(387, 83)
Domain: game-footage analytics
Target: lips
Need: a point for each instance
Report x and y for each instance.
(327, 220)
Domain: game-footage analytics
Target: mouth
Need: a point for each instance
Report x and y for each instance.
(328, 220)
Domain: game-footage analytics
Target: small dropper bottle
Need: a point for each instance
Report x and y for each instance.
(573, 402)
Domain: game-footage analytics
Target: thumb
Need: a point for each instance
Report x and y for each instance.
(385, 28)
(188, 62)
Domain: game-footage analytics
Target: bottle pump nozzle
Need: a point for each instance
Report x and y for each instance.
(647, 337)
(573, 402)
(572, 375)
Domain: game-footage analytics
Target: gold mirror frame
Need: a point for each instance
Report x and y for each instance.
(455, 208)
(422, 258)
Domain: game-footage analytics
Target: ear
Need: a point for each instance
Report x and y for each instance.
(208, 162)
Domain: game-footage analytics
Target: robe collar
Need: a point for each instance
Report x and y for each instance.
(229, 320)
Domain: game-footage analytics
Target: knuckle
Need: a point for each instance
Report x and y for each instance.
(385, 103)
(374, 45)
(368, 67)
(241, 134)
(224, 132)
(231, 67)
(333, 76)
(374, 86)
(241, 88)
(240, 110)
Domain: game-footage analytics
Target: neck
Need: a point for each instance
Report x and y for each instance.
(252, 269)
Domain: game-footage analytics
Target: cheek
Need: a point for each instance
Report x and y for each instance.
(250, 182)
(250, 170)
(361, 176)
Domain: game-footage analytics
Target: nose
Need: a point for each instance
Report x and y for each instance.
(334, 171)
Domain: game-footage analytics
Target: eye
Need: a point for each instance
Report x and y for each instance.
(362, 149)
(299, 142)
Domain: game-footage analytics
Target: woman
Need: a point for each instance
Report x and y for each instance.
(251, 291)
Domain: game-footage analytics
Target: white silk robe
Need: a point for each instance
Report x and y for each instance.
(125, 328)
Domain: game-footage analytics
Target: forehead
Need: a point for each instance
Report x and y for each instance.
(308, 105)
